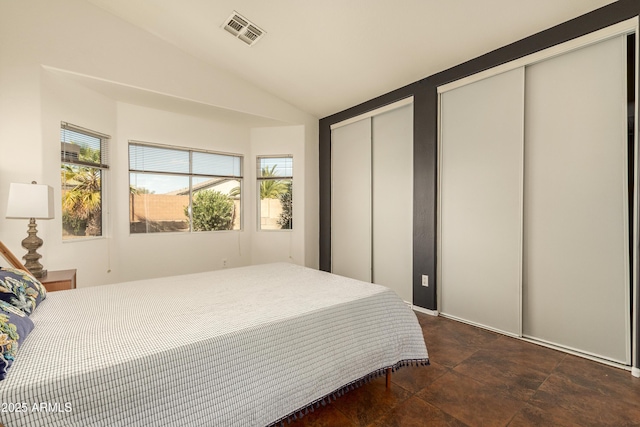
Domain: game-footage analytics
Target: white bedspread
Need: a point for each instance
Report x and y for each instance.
(236, 347)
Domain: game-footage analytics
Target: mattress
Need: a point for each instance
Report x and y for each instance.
(235, 347)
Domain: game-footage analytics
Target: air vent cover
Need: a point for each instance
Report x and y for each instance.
(243, 29)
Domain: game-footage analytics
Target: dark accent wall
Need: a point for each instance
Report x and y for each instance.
(425, 139)
(631, 161)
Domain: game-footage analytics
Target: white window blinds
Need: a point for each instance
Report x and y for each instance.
(83, 147)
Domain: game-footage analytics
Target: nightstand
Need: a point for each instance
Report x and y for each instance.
(59, 280)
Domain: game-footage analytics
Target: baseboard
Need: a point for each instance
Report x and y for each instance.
(480, 325)
(424, 310)
(635, 372)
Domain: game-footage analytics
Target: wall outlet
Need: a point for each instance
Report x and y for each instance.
(425, 280)
(225, 263)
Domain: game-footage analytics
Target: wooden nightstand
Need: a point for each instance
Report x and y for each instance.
(59, 280)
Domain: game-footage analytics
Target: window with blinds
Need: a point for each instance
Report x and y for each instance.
(84, 161)
(275, 191)
(174, 189)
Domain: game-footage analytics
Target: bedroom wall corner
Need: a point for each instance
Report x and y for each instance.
(167, 254)
(312, 195)
(20, 131)
(112, 60)
(278, 245)
(61, 101)
(20, 140)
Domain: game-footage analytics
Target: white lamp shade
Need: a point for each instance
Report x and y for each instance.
(30, 201)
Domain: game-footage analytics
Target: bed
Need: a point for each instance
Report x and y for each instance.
(250, 346)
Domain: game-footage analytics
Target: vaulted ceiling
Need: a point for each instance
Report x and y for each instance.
(327, 55)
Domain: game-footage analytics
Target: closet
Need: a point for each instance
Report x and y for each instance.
(372, 198)
(533, 207)
(480, 201)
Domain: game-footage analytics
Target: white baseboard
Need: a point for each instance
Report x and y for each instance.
(480, 325)
(424, 310)
(635, 372)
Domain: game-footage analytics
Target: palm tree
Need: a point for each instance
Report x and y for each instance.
(83, 196)
(271, 188)
(234, 193)
(285, 221)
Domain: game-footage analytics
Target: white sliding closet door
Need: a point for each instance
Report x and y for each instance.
(392, 152)
(575, 279)
(351, 200)
(372, 199)
(480, 201)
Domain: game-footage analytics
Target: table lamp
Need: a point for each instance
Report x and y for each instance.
(31, 201)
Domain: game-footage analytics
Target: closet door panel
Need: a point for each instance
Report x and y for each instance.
(351, 200)
(392, 190)
(480, 201)
(575, 291)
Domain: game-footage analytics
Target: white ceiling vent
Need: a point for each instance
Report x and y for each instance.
(243, 29)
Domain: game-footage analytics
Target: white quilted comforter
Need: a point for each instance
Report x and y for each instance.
(238, 347)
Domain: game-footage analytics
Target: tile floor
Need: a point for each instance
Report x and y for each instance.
(479, 378)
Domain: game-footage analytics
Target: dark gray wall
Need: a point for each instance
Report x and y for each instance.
(425, 139)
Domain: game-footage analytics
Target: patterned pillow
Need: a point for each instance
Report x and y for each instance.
(14, 328)
(21, 289)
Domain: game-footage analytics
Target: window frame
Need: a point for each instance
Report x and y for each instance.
(190, 175)
(102, 166)
(260, 178)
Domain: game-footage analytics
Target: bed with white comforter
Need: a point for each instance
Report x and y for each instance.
(236, 347)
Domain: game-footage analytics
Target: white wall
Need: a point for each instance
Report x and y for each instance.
(312, 196)
(163, 254)
(60, 100)
(79, 38)
(278, 245)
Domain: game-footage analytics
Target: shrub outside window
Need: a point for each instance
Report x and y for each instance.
(84, 155)
(275, 192)
(176, 189)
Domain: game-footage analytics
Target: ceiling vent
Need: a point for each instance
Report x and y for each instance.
(243, 29)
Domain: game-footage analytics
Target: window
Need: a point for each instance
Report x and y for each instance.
(181, 190)
(275, 181)
(84, 158)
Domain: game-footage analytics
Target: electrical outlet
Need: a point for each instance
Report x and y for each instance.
(425, 280)
(225, 263)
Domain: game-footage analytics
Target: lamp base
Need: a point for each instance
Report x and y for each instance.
(31, 244)
(40, 274)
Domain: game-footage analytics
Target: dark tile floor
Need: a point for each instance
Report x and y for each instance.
(479, 378)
